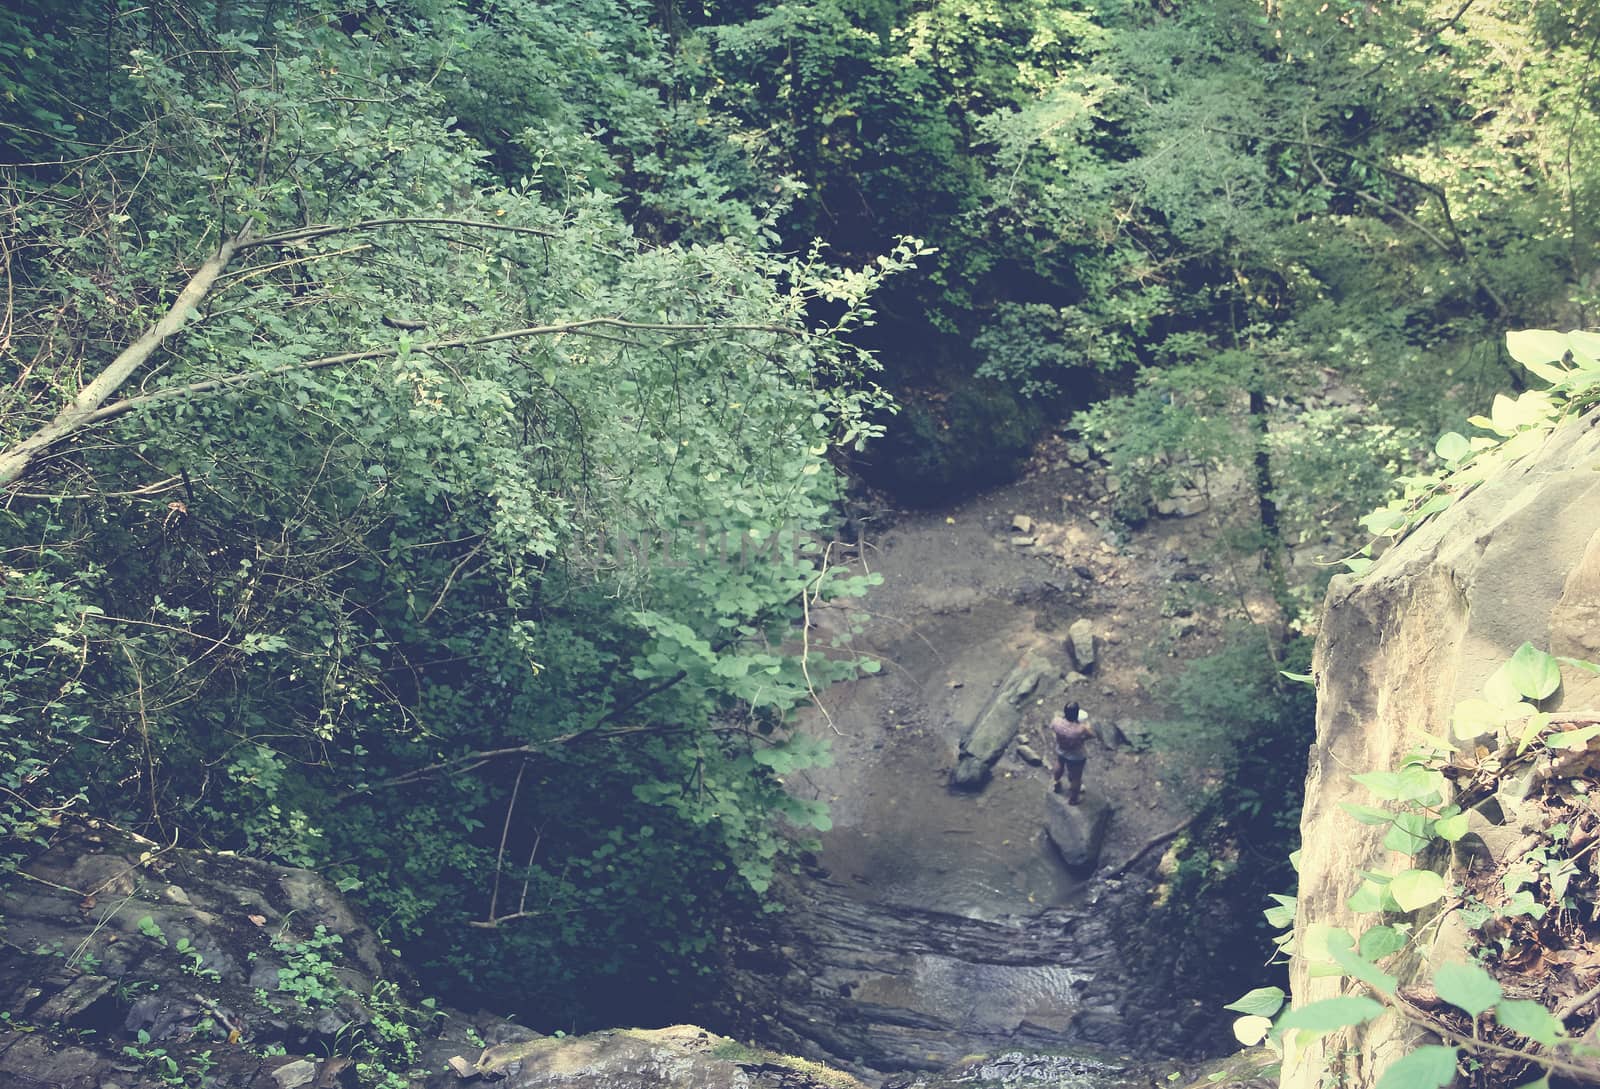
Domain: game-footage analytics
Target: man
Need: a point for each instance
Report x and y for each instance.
(1072, 733)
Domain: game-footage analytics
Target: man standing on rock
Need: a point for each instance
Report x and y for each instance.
(1072, 732)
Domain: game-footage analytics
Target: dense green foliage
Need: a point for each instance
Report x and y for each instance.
(389, 561)
(454, 536)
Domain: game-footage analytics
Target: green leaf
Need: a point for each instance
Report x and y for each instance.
(1584, 343)
(1283, 914)
(1263, 1002)
(1430, 1067)
(1452, 446)
(1415, 889)
(1534, 673)
(1451, 829)
(1367, 899)
(1331, 1014)
(1474, 717)
(1537, 346)
(1251, 1030)
(1380, 941)
(1530, 1019)
(1409, 833)
(1367, 814)
(1342, 949)
(1303, 678)
(1467, 986)
(1573, 739)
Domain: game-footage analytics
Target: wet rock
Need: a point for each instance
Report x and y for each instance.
(1182, 505)
(1083, 572)
(680, 1057)
(1026, 754)
(1077, 831)
(995, 727)
(1109, 733)
(1023, 1070)
(293, 1075)
(1078, 453)
(1080, 641)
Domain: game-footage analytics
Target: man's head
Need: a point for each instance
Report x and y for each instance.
(1070, 712)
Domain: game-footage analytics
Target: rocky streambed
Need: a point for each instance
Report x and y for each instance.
(957, 907)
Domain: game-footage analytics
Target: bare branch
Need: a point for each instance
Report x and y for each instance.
(322, 230)
(77, 415)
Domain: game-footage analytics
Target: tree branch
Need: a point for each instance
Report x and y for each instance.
(322, 230)
(15, 461)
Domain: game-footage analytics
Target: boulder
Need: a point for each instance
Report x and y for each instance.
(1022, 523)
(1516, 559)
(995, 727)
(1077, 831)
(1026, 754)
(1109, 733)
(679, 1057)
(1182, 505)
(1080, 641)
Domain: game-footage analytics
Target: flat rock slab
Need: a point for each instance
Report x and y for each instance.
(996, 726)
(1077, 831)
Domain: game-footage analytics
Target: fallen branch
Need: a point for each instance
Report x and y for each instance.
(1151, 844)
(77, 415)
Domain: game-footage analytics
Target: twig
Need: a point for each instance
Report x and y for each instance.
(505, 830)
(1569, 1008)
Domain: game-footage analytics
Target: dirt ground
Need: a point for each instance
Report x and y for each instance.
(964, 599)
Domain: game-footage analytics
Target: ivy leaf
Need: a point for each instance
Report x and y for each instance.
(1452, 446)
(1429, 1067)
(1380, 941)
(1263, 1002)
(1537, 346)
(1367, 899)
(1251, 1030)
(1467, 986)
(1451, 829)
(1342, 949)
(1367, 814)
(1474, 717)
(1331, 1014)
(1534, 673)
(1415, 889)
(1530, 1019)
(1572, 739)
(1409, 833)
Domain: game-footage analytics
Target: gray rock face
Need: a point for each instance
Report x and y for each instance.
(680, 1057)
(1077, 831)
(1080, 640)
(995, 727)
(106, 917)
(1517, 559)
(883, 987)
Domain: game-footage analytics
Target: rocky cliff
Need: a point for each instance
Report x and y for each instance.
(1517, 559)
(125, 964)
